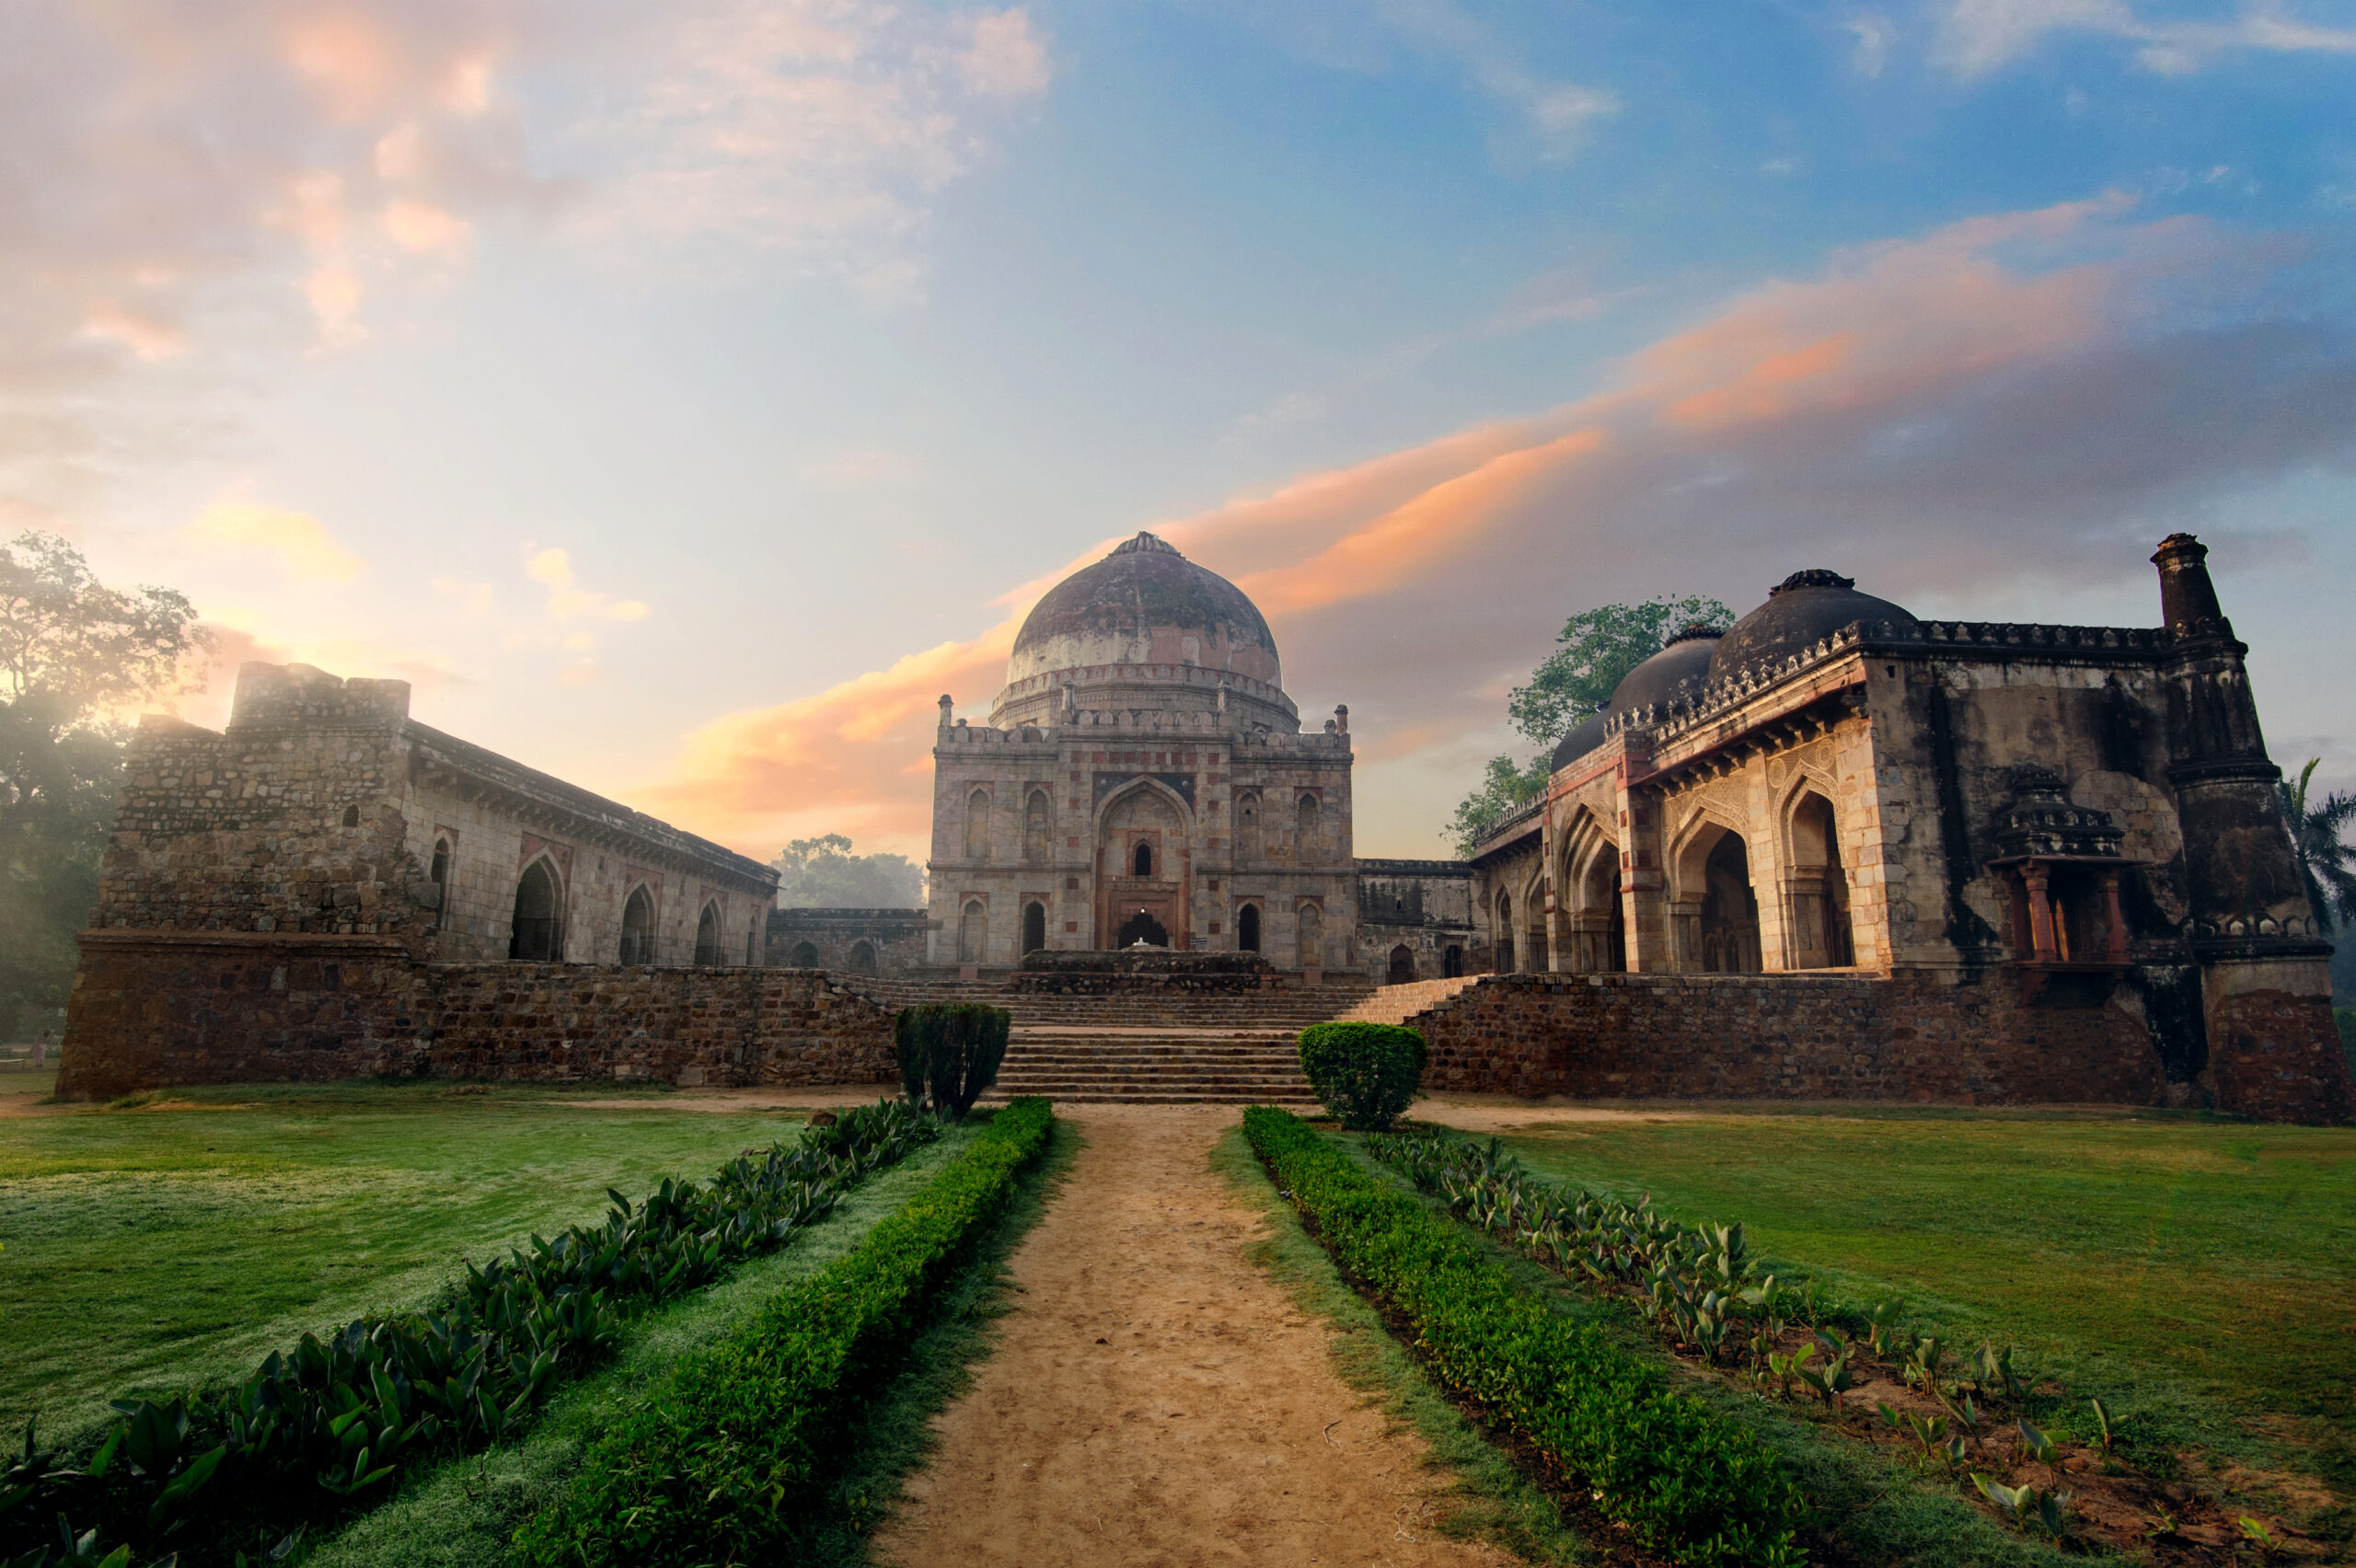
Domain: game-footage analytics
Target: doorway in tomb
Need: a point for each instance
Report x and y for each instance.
(1141, 926)
(1142, 871)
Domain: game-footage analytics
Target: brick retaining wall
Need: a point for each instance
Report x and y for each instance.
(155, 1007)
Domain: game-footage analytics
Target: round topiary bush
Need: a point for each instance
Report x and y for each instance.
(1365, 1073)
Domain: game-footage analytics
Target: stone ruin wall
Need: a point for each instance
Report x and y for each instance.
(1914, 1037)
(238, 1008)
(898, 937)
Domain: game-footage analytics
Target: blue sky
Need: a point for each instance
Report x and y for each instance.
(682, 397)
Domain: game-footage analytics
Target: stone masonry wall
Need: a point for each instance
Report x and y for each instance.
(1786, 1037)
(150, 1009)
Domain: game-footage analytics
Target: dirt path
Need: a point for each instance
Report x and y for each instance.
(1155, 1399)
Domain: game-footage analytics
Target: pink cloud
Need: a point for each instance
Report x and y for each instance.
(1981, 406)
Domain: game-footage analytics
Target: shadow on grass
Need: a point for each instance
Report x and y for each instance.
(895, 1437)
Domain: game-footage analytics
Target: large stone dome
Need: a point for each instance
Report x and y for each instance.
(1803, 610)
(1676, 674)
(1145, 604)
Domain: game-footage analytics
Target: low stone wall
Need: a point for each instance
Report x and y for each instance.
(152, 1009)
(1913, 1037)
(1134, 970)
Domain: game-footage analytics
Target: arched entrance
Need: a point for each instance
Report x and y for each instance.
(637, 928)
(1818, 889)
(1247, 928)
(1141, 926)
(539, 936)
(1452, 962)
(708, 938)
(805, 955)
(1142, 859)
(1717, 912)
(973, 932)
(863, 958)
(1403, 965)
(1035, 926)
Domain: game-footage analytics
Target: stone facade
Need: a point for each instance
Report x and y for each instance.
(155, 1007)
(853, 941)
(2056, 816)
(323, 812)
(1415, 921)
(1143, 777)
(324, 808)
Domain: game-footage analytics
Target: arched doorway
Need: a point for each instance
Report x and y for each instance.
(1820, 934)
(708, 938)
(1403, 965)
(1311, 925)
(973, 932)
(1247, 928)
(863, 958)
(1141, 926)
(538, 937)
(1035, 926)
(1452, 962)
(805, 955)
(637, 928)
(1602, 931)
(1141, 852)
(1728, 926)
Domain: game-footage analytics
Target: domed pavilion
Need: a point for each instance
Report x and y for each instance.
(1143, 778)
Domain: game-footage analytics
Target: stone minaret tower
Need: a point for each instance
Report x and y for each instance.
(2265, 974)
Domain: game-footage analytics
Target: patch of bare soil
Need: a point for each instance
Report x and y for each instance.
(1155, 1399)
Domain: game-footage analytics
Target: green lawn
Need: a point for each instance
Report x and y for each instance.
(2153, 1253)
(155, 1246)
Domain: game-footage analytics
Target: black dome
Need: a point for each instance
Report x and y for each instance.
(1582, 738)
(1126, 607)
(1801, 611)
(1676, 674)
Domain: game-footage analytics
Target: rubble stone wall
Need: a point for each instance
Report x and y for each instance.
(156, 1008)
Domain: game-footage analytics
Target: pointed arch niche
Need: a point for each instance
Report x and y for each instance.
(1815, 889)
(1715, 911)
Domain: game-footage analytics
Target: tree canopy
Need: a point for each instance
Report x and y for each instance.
(1596, 647)
(74, 655)
(822, 873)
(2325, 860)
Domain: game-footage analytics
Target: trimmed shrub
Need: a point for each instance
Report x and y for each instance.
(1365, 1074)
(713, 1466)
(317, 1432)
(1686, 1481)
(949, 1052)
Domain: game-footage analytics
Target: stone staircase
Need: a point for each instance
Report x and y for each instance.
(1145, 1046)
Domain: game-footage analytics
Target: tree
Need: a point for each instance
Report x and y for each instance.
(1573, 682)
(73, 655)
(822, 873)
(2325, 860)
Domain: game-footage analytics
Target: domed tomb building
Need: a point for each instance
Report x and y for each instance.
(1143, 778)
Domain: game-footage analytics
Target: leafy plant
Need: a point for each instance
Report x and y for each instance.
(2102, 1420)
(743, 1434)
(334, 1419)
(2258, 1535)
(1882, 1325)
(2038, 1446)
(1830, 1380)
(1365, 1074)
(1686, 1481)
(950, 1053)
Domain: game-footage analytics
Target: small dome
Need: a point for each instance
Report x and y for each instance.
(1582, 738)
(1801, 611)
(1145, 604)
(1676, 674)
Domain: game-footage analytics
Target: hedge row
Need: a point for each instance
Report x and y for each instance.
(317, 1432)
(1681, 1479)
(713, 1467)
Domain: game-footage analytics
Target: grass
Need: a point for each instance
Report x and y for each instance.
(1491, 1499)
(2192, 1271)
(464, 1513)
(182, 1240)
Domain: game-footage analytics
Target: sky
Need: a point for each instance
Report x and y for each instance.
(683, 397)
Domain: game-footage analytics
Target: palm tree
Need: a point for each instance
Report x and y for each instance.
(2326, 862)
